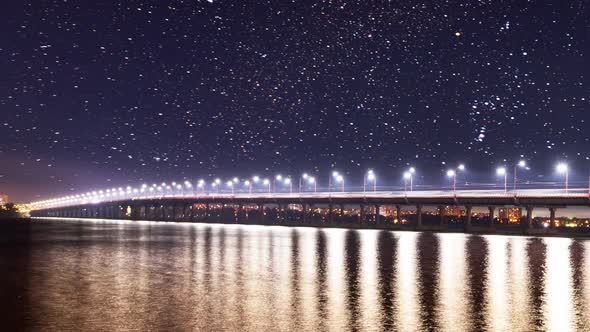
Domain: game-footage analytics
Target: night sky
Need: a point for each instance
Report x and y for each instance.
(106, 93)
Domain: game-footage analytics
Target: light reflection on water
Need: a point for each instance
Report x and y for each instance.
(161, 276)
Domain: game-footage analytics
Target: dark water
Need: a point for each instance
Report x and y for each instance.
(103, 276)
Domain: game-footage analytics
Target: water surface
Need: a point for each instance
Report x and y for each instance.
(138, 276)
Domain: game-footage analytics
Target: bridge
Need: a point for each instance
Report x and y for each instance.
(375, 209)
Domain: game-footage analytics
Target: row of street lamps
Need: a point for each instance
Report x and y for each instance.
(335, 180)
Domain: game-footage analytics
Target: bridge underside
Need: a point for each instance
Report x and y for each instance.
(446, 213)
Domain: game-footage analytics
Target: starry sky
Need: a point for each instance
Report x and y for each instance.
(102, 93)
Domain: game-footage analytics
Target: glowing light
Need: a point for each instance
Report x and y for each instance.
(407, 175)
(256, 178)
(501, 171)
(561, 168)
(451, 173)
(265, 181)
(279, 177)
(412, 170)
(461, 167)
(522, 163)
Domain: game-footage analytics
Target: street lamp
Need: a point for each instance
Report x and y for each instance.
(249, 185)
(312, 180)
(217, 184)
(266, 182)
(301, 178)
(340, 179)
(230, 184)
(274, 182)
(370, 176)
(452, 174)
(501, 171)
(521, 164)
(201, 184)
(407, 176)
(290, 183)
(563, 168)
(334, 175)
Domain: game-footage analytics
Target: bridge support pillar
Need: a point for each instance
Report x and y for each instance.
(222, 214)
(135, 212)
(492, 210)
(362, 214)
(260, 213)
(304, 209)
(552, 217)
(377, 214)
(331, 213)
(240, 214)
(441, 214)
(529, 217)
(398, 214)
(419, 216)
(468, 215)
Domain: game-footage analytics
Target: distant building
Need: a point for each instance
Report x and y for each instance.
(452, 211)
(3, 199)
(511, 215)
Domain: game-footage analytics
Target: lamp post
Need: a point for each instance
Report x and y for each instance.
(563, 168)
(290, 183)
(453, 174)
(189, 186)
(334, 175)
(407, 176)
(249, 185)
(304, 176)
(370, 176)
(217, 184)
(312, 180)
(201, 184)
(230, 184)
(266, 182)
(255, 179)
(521, 164)
(274, 182)
(340, 179)
(501, 171)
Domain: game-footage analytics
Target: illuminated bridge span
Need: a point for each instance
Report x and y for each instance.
(434, 210)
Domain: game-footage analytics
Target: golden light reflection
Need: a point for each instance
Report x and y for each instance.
(517, 284)
(452, 303)
(369, 277)
(499, 319)
(407, 288)
(558, 302)
(171, 276)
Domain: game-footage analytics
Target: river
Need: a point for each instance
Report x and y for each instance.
(60, 275)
